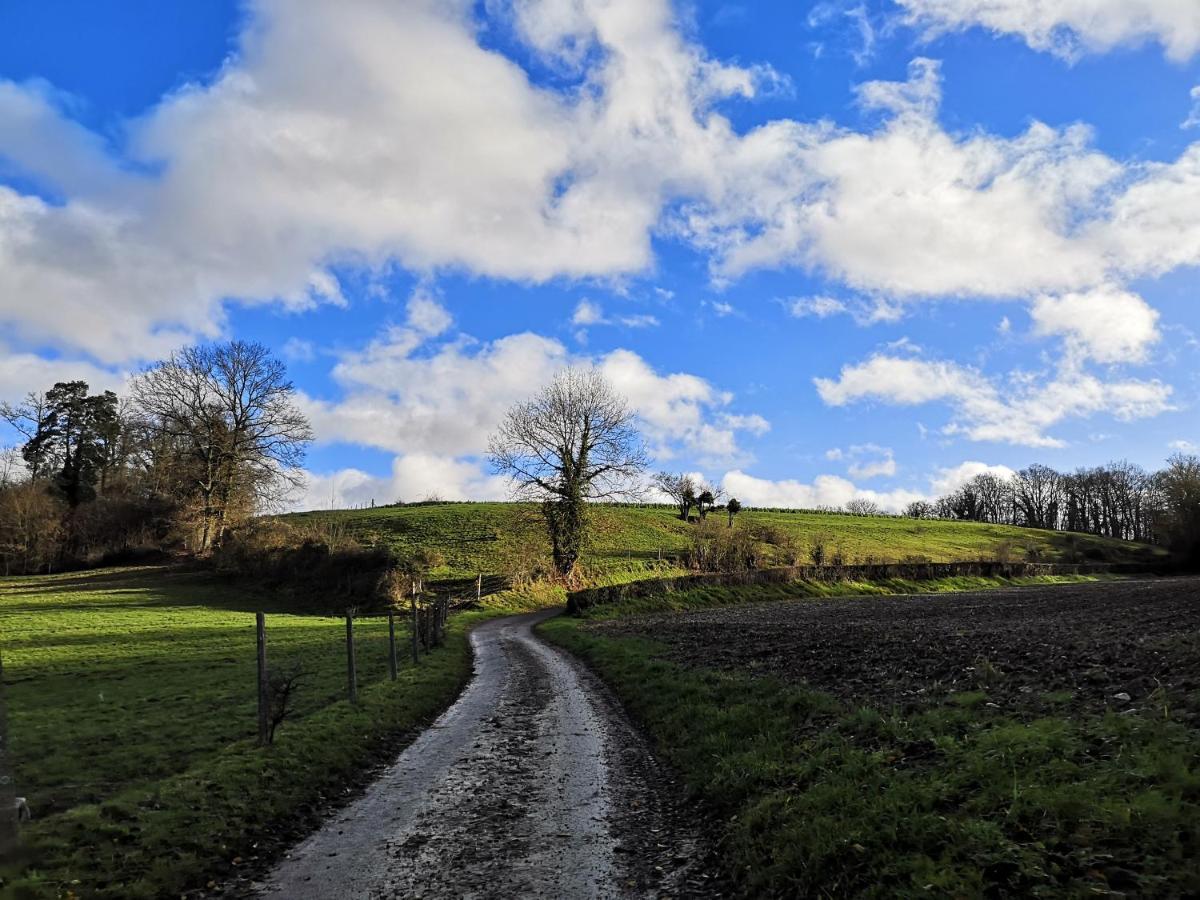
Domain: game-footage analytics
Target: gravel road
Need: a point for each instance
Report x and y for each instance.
(533, 784)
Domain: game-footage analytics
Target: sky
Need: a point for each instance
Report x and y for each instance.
(826, 251)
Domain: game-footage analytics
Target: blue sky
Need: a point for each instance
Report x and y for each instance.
(826, 250)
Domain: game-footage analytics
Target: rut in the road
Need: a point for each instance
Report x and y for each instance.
(478, 830)
(534, 784)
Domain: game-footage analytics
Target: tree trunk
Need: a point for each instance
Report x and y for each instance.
(565, 522)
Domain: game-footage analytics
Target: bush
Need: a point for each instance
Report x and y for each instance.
(317, 566)
(717, 548)
(30, 529)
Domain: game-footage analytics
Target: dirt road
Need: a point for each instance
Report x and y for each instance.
(534, 784)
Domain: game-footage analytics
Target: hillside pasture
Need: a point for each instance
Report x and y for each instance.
(509, 537)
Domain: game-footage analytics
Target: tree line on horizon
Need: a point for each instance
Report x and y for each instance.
(203, 440)
(1119, 500)
(211, 436)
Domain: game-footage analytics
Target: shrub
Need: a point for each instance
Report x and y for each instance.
(30, 529)
(716, 548)
(318, 567)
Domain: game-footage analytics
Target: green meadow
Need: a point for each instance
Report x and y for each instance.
(132, 722)
(508, 537)
(131, 692)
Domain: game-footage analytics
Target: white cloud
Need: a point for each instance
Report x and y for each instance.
(1020, 413)
(866, 467)
(865, 460)
(1184, 446)
(948, 480)
(752, 422)
(1070, 28)
(400, 138)
(822, 491)
(1193, 119)
(448, 399)
(415, 143)
(639, 320)
(834, 491)
(587, 313)
(26, 373)
(1108, 325)
(912, 211)
(298, 350)
(413, 477)
(820, 307)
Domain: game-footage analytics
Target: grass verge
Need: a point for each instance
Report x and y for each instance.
(708, 597)
(817, 796)
(131, 698)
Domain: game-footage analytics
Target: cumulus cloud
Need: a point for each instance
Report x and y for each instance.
(831, 491)
(865, 461)
(822, 491)
(1070, 28)
(1018, 413)
(910, 210)
(415, 143)
(413, 477)
(411, 141)
(1108, 325)
(947, 480)
(26, 373)
(446, 400)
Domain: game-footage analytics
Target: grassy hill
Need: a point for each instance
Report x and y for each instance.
(509, 537)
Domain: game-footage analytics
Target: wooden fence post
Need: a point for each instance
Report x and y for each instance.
(351, 673)
(392, 644)
(416, 653)
(264, 684)
(9, 826)
(479, 588)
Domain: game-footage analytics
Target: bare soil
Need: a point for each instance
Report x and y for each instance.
(1088, 647)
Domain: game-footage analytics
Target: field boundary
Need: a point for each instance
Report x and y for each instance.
(582, 600)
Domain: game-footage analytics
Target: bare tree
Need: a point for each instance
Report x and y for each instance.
(861, 506)
(919, 509)
(1179, 486)
(575, 441)
(1037, 492)
(680, 488)
(231, 409)
(28, 418)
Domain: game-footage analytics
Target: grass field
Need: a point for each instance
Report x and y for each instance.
(841, 753)
(131, 692)
(509, 538)
(131, 697)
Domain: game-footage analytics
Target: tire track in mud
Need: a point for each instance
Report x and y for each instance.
(533, 784)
